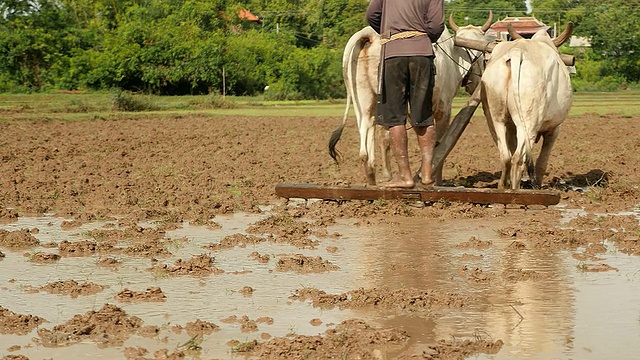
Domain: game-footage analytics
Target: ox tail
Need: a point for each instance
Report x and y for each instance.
(349, 66)
(337, 133)
(516, 59)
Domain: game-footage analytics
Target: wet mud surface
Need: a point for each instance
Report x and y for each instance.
(163, 238)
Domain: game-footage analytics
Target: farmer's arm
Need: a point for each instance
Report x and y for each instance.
(435, 19)
(374, 14)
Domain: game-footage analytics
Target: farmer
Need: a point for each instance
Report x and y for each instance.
(407, 28)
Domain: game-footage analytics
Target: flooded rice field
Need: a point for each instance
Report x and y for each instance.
(540, 305)
(163, 239)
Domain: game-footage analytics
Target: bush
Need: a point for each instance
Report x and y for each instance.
(125, 101)
(217, 101)
(282, 90)
(606, 83)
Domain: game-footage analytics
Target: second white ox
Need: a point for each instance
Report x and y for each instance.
(360, 71)
(526, 95)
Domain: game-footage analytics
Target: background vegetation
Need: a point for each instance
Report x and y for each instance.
(171, 47)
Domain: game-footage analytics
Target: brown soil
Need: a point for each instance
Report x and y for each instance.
(197, 328)
(153, 294)
(192, 168)
(14, 357)
(83, 248)
(109, 326)
(139, 353)
(304, 264)
(109, 263)
(7, 214)
(12, 323)
(231, 241)
(42, 258)
(200, 265)
(409, 300)
(261, 258)
(247, 291)
(18, 239)
(72, 288)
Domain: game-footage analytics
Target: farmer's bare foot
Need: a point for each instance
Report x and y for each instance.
(427, 182)
(426, 179)
(399, 183)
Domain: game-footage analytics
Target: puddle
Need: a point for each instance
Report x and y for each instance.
(564, 313)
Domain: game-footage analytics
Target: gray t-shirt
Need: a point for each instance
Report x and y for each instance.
(426, 16)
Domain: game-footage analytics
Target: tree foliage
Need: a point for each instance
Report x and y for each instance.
(199, 47)
(612, 28)
(476, 12)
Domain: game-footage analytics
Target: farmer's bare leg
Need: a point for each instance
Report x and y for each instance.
(398, 140)
(426, 142)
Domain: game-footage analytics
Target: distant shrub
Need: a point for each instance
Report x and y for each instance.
(633, 85)
(77, 106)
(217, 101)
(281, 90)
(125, 101)
(605, 83)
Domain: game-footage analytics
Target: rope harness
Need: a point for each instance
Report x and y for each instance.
(402, 35)
(472, 60)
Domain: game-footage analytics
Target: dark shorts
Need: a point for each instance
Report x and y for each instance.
(407, 89)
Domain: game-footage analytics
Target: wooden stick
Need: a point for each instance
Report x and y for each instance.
(437, 193)
(455, 130)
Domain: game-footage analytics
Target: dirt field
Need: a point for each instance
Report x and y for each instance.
(188, 169)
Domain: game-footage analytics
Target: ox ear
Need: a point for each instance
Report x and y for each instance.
(452, 23)
(487, 24)
(514, 35)
(566, 34)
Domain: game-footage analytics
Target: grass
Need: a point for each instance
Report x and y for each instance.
(92, 106)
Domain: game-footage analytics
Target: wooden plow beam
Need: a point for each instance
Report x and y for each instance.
(467, 195)
(455, 130)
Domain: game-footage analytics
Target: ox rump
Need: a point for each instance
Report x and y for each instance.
(526, 95)
(433, 194)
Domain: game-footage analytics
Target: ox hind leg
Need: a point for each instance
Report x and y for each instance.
(548, 141)
(367, 156)
(522, 156)
(502, 137)
(502, 132)
(365, 107)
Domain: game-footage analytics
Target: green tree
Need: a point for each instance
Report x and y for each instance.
(614, 30)
(553, 11)
(475, 12)
(35, 39)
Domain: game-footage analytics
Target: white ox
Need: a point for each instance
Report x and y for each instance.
(526, 94)
(360, 71)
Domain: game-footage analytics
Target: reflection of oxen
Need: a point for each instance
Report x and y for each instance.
(360, 71)
(526, 94)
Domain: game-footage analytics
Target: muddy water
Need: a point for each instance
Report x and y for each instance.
(563, 312)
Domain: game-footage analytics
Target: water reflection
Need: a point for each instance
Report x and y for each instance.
(559, 312)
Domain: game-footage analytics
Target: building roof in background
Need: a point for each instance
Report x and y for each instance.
(522, 25)
(245, 14)
(579, 41)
